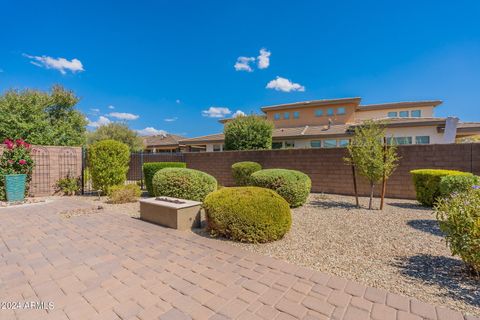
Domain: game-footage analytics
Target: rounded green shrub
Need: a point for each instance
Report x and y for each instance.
(427, 183)
(294, 186)
(183, 183)
(247, 214)
(241, 172)
(459, 219)
(150, 168)
(124, 193)
(108, 162)
(456, 184)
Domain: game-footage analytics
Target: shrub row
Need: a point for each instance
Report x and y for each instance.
(427, 183)
(150, 168)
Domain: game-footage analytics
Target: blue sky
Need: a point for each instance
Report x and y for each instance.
(164, 64)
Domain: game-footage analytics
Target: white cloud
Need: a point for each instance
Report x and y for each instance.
(285, 85)
(61, 64)
(170, 119)
(216, 112)
(238, 113)
(178, 101)
(243, 64)
(264, 59)
(100, 122)
(150, 131)
(124, 115)
(95, 110)
(111, 107)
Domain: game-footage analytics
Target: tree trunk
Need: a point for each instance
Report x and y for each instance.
(372, 185)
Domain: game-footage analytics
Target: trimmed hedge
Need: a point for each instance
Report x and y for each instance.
(241, 172)
(183, 183)
(150, 168)
(108, 161)
(450, 185)
(427, 183)
(459, 220)
(247, 214)
(294, 186)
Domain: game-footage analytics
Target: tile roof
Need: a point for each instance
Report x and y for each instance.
(162, 140)
(355, 100)
(404, 104)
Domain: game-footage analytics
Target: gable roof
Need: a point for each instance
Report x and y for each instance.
(162, 140)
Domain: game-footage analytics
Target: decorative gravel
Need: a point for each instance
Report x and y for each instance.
(400, 249)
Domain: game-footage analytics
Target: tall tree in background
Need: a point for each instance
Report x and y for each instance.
(248, 133)
(119, 132)
(369, 155)
(44, 118)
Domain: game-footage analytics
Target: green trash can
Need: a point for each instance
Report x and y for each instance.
(15, 187)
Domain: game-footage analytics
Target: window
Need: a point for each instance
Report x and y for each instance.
(318, 113)
(290, 144)
(316, 143)
(286, 115)
(393, 114)
(331, 143)
(330, 112)
(217, 147)
(276, 116)
(403, 114)
(341, 110)
(296, 115)
(422, 140)
(277, 145)
(343, 142)
(416, 113)
(403, 140)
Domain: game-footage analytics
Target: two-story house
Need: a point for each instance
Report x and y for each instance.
(330, 123)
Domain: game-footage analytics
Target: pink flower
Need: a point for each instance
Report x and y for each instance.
(19, 142)
(10, 161)
(22, 161)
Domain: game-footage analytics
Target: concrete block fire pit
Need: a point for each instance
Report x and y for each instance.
(171, 212)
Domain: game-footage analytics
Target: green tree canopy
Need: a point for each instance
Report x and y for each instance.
(369, 155)
(119, 132)
(248, 133)
(44, 118)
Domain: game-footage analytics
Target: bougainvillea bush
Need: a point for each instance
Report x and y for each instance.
(15, 159)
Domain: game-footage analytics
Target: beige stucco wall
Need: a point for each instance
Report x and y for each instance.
(378, 114)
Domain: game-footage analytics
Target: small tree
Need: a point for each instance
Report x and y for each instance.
(369, 156)
(248, 133)
(119, 132)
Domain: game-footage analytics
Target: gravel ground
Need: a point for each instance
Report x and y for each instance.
(400, 249)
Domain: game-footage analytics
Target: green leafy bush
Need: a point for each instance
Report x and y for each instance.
(247, 214)
(459, 218)
(15, 159)
(456, 184)
(108, 164)
(150, 168)
(427, 183)
(294, 186)
(248, 133)
(242, 171)
(183, 183)
(124, 193)
(68, 186)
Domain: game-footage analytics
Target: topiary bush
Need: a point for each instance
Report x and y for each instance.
(456, 184)
(427, 183)
(294, 186)
(150, 168)
(108, 162)
(124, 193)
(459, 219)
(241, 172)
(183, 183)
(247, 214)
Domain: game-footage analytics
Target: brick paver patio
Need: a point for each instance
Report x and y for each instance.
(110, 266)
